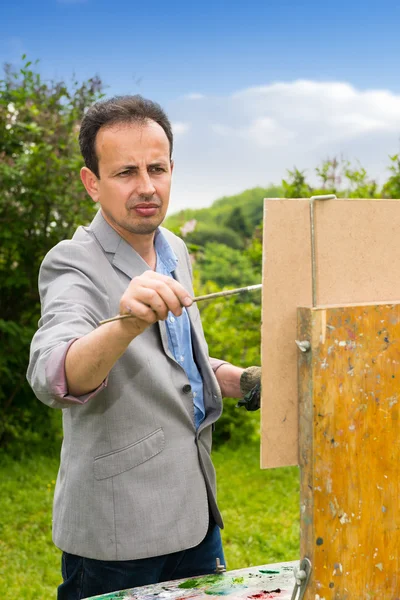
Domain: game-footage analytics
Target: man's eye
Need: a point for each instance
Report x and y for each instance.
(124, 173)
(157, 169)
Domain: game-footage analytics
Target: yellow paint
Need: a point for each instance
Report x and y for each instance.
(349, 391)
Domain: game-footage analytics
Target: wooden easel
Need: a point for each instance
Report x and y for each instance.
(349, 392)
(348, 360)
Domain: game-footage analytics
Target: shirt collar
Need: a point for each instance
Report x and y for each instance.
(164, 251)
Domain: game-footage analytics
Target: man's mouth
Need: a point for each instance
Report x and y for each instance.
(146, 210)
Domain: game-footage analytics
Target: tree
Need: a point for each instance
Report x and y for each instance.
(238, 222)
(226, 266)
(359, 184)
(204, 234)
(329, 174)
(296, 185)
(391, 189)
(41, 202)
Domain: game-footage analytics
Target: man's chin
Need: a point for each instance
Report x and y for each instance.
(144, 228)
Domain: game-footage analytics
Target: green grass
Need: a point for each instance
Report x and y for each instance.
(260, 509)
(29, 563)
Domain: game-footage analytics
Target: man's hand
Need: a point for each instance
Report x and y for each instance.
(149, 297)
(250, 387)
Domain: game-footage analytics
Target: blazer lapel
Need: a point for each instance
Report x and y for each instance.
(123, 256)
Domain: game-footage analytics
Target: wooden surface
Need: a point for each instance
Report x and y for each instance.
(349, 388)
(358, 255)
(255, 583)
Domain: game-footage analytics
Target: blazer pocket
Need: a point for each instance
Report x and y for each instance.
(119, 461)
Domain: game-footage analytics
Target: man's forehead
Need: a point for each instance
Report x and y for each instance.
(125, 140)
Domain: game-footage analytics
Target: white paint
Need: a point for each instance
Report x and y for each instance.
(344, 519)
(323, 325)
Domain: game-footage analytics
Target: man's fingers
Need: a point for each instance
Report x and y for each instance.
(142, 311)
(151, 296)
(179, 291)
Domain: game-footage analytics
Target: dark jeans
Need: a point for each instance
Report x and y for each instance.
(85, 577)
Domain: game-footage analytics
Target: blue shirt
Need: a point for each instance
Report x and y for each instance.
(178, 330)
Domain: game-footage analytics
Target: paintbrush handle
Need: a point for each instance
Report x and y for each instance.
(249, 288)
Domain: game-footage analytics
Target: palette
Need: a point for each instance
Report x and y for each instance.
(254, 583)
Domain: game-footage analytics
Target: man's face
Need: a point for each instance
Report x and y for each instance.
(135, 176)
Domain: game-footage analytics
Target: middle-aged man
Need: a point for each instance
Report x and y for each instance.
(135, 500)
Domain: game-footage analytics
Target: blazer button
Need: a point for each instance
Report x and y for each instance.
(186, 388)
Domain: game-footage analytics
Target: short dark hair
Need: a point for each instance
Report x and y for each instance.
(119, 109)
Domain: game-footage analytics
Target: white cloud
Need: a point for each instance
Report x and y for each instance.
(194, 96)
(180, 128)
(253, 136)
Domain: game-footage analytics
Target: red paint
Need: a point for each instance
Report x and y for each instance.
(265, 594)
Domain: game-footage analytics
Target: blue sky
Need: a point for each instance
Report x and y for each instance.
(214, 65)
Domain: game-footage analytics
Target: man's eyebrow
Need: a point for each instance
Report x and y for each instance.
(158, 163)
(124, 168)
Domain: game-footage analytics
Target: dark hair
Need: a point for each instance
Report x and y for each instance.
(120, 109)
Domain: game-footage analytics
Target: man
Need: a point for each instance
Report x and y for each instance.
(135, 496)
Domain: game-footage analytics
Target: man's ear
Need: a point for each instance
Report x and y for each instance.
(172, 165)
(91, 183)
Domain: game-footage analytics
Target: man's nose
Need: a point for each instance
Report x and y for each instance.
(145, 186)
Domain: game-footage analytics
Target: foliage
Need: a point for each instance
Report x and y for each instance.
(232, 325)
(295, 186)
(339, 177)
(206, 233)
(250, 203)
(226, 266)
(391, 189)
(260, 510)
(237, 221)
(41, 202)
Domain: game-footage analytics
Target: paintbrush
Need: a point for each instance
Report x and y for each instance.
(249, 288)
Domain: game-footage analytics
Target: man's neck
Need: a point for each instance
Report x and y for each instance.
(143, 244)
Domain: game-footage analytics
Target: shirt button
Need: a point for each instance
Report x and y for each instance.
(171, 319)
(186, 388)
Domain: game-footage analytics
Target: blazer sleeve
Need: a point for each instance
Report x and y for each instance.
(73, 299)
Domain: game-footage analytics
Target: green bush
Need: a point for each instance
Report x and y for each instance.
(41, 202)
(227, 266)
(205, 234)
(232, 329)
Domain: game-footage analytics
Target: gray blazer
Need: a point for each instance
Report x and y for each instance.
(136, 479)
